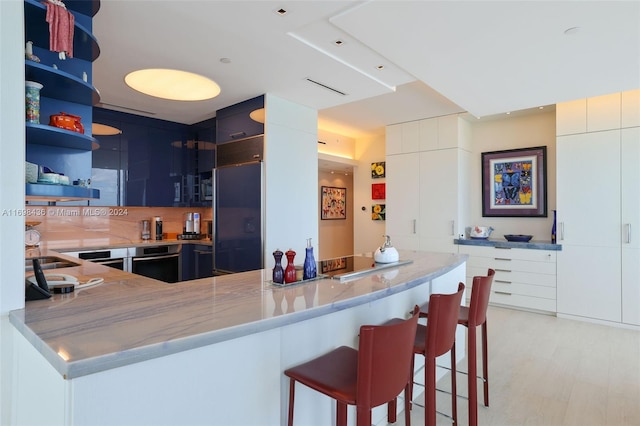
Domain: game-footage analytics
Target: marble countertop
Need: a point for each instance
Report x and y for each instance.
(130, 318)
(531, 245)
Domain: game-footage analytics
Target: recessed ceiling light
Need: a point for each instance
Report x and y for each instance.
(338, 42)
(281, 12)
(172, 84)
(508, 113)
(541, 107)
(98, 129)
(380, 67)
(225, 60)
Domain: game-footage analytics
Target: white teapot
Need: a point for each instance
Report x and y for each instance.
(386, 253)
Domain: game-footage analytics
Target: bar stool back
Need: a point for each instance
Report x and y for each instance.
(374, 374)
(435, 339)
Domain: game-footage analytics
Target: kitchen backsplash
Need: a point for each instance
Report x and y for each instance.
(64, 227)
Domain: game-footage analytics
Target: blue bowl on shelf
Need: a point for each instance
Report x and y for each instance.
(518, 238)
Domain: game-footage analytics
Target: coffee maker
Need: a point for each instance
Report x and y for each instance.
(191, 226)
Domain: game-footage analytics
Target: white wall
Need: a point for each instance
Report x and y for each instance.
(367, 233)
(511, 133)
(291, 172)
(12, 157)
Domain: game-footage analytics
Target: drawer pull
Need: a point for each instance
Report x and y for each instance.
(502, 281)
(502, 292)
(502, 248)
(502, 258)
(502, 270)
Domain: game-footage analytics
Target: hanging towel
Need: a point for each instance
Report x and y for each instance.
(61, 24)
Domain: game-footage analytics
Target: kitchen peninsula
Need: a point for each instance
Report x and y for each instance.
(134, 350)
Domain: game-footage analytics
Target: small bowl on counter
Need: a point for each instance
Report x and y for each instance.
(518, 238)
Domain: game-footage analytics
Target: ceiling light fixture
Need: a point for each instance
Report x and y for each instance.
(338, 42)
(98, 129)
(380, 67)
(281, 12)
(258, 115)
(171, 84)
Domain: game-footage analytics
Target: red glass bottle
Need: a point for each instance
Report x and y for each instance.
(290, 271)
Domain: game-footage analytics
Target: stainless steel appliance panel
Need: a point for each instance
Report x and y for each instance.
(114, 258)
(158, 262)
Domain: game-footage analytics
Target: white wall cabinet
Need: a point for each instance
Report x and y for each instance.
(427, 181)
(598, 210)
(525, 278)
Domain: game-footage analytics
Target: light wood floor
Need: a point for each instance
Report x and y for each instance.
(550, 371)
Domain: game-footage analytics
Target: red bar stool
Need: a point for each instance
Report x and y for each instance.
(471, 317)
(437, 338)
(372, 375)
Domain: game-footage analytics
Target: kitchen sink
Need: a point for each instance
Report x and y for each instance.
(50, 262)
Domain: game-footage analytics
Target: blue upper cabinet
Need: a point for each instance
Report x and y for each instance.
(235, 122)
(66, 88)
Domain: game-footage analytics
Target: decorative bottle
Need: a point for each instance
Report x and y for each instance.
(309, 270)
(290, 271)
(278, 272)
(553, 229)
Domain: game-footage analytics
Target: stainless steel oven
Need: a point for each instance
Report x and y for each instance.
(115, 258)
(160, 262)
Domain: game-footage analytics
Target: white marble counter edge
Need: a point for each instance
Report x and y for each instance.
(74, 369)
(149, 243)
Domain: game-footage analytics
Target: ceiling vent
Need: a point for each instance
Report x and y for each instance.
(325, 86)
(125, 109)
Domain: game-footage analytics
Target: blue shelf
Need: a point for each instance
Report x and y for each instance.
(44, 192)
(60, 84)
(43, 134)
(36, 28)
(86, 7)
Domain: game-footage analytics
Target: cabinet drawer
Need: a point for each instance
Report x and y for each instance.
(523, 290)
(547, 280)
(507, 265)
(509, 253)
(521, 301)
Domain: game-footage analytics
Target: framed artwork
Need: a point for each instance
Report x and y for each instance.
(378, 212)
(514, 183)
(378, 170)
(333, 264)
(378, 191)
(333, 203)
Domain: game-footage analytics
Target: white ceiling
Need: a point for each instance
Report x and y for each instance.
(439, 57)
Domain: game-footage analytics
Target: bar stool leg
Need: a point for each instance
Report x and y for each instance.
(472, 373)
(454, 390)
(485, 364)
(292, 387)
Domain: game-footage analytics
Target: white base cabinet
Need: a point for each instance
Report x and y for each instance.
(525, 278)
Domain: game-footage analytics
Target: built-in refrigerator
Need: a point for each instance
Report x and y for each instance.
(238, 206)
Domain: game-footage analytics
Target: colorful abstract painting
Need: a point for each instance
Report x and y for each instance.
(333, 203)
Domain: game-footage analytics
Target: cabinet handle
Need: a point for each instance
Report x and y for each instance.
(502, 258)
(502, 270)
(414, 226)
(502, 281)
(502, 248)
(453, 227)
(503, 292)
(628, 225)
(562, 230)
(237, 135)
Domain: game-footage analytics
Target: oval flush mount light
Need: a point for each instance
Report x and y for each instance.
(172, 84)
(98, 129)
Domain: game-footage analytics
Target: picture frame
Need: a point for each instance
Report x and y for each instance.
(333, 203)
(378, 170)
(378, 191)
(378, 212)
(514, 183)
(333, 264)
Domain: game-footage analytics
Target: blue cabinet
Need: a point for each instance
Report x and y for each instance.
(148, 161)
(234, 122)
(64, 90)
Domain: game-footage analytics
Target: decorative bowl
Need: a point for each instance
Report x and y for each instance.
(480, 231)
(518, 238)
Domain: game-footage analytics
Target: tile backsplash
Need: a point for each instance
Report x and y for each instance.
(82, 226)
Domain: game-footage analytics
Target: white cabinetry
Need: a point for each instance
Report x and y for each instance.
(598, 209)
(427, 174)
(525, 278)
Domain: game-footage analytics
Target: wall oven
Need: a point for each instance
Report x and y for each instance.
(115, 258)
(158, 262)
